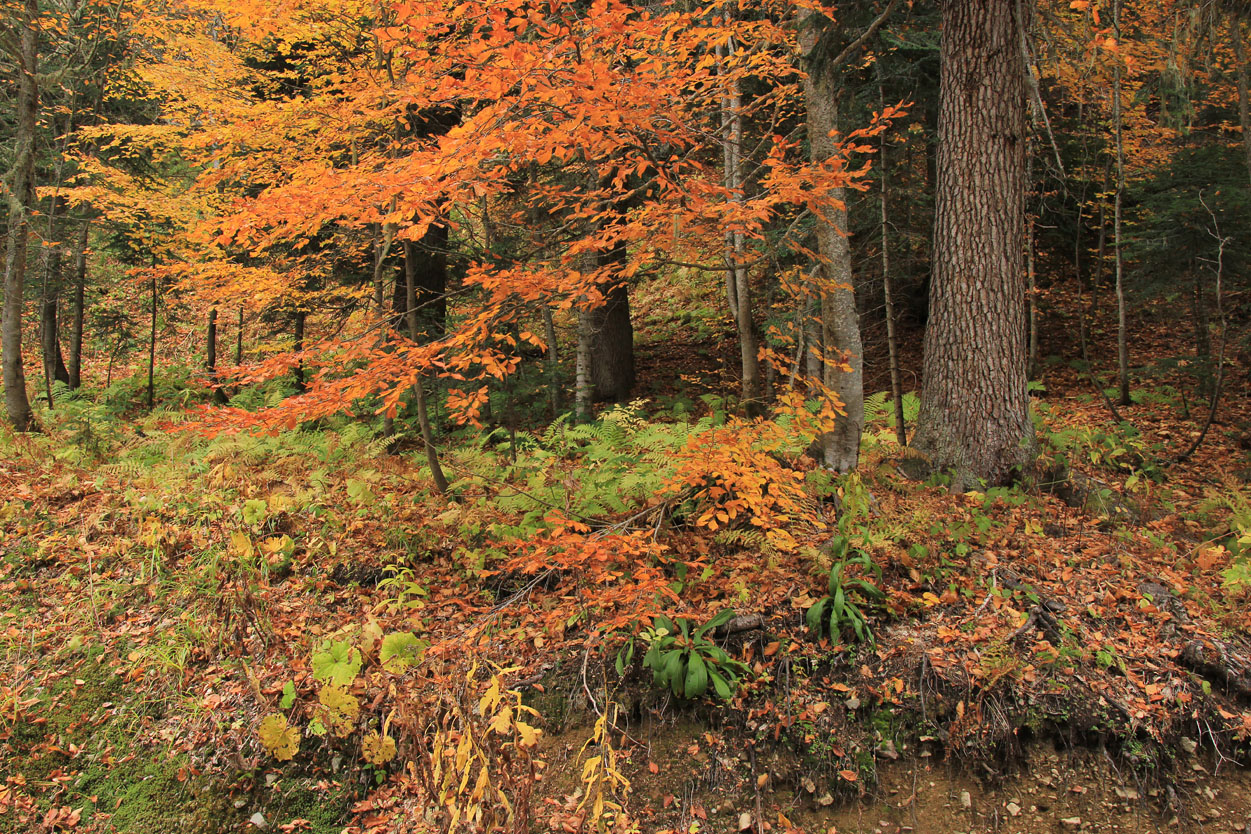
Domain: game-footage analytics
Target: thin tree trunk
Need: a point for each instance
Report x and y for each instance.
(840, 322)
(54, 369)
(80, 289)
(1032, 298)
(1122, 336)
(152, 343)
(892, 346)
(553, 361)
(21, 199)
(298, 325)
(210, 358)
(239, 340)
(974, 416)
(419, 389)
(737, 278)
(1244, 96)
(384, 236)
(582, 373)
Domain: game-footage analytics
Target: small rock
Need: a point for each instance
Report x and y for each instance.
(744, 821)
(1014, 809)
(259, 821)
(825, 800)
(1072, 822)
(966, 801)
(1188, 744)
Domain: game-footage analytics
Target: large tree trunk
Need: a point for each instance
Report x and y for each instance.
(974, 411)
(21, 199)
(840, 322)
(612, 346)
(1244, 96)
(75, 368)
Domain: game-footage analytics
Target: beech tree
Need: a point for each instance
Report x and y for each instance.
(974, 415)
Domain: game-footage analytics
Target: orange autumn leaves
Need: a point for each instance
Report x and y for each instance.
(564, 133)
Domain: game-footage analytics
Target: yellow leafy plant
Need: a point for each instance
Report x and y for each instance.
(279, 738)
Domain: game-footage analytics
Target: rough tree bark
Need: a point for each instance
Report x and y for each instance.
(974, 415)
(21, 199)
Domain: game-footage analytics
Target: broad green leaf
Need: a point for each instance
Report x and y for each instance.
(401, 650)
(337, 663)
(696, 677)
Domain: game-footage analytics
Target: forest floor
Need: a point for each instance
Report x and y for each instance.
(293, 633)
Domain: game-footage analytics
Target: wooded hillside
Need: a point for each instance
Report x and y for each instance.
(537, 415)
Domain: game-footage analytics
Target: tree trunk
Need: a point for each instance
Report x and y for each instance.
(54, 369)
(152, 344)
(239, 340)
(738, 288)
(21, 199)
(813, 364)
(1244, 96)
(1032, 299)
(210, 358)
(416, 333)
(80, 288)
(428, 259)
(582, 373)
(892, 345)
(298, 325)
(612, 346)
(1122, 336)
(974, 410)
(553, 361)
(840, 322)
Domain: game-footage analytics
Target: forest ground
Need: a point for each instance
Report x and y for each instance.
(1055, 656)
